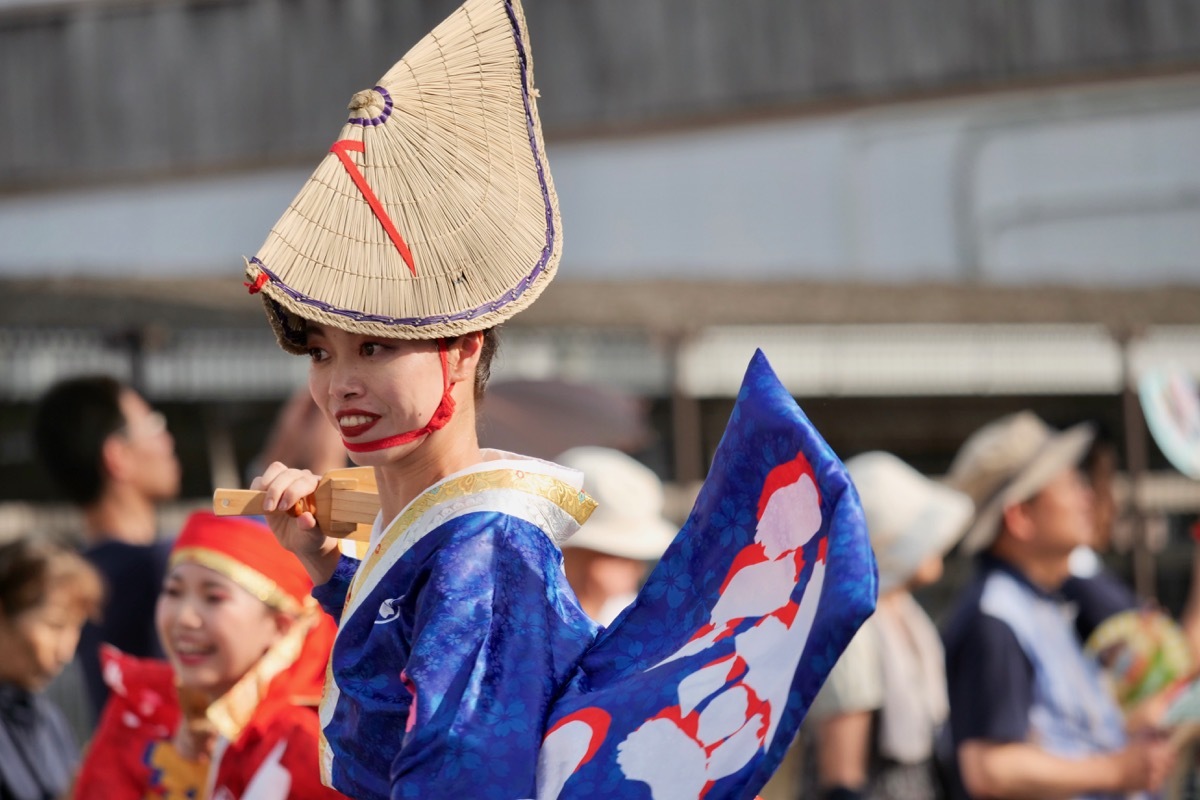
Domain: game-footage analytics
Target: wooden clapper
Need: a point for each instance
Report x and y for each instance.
(345, 503)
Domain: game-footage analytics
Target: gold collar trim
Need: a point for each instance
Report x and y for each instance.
(575, 502)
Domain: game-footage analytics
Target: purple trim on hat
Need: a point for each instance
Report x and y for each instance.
(504, 299)
(537, 157)
(383, 116)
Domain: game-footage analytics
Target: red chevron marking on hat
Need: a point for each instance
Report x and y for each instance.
(340, 149)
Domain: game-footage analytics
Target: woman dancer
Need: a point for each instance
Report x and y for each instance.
(463, 665)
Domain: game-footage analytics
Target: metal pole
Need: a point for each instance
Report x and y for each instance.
(686, 425)
(1136, 449)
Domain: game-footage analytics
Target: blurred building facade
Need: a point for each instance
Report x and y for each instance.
(926, 212)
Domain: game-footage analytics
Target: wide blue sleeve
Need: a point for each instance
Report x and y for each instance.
(332, 594)
(496, 631)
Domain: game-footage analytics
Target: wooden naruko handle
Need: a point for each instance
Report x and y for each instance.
(243, 502)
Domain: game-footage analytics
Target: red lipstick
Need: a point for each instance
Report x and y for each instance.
(354, 422)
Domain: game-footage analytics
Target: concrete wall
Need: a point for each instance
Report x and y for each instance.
(1086, 186)
(119, 89)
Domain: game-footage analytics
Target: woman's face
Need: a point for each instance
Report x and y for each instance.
(372, 388)
(38, 642)
(213, 630)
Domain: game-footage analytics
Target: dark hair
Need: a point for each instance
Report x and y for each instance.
(487, 351)
(30, 568)
(71, 423)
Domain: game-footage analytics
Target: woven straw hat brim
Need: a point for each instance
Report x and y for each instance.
(1062, 451)
(434, 214)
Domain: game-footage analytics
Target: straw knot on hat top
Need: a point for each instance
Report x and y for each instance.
(434, 213)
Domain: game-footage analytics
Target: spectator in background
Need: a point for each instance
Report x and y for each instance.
(1141, 649)
(1098, 594)
(606, 560)
(112, 455)
(871, 730)
(46, 593)
(1029, 715)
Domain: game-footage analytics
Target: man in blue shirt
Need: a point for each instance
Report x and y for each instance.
(110, 453)
(1029, 716)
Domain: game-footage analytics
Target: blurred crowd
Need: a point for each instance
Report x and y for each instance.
(197, 652)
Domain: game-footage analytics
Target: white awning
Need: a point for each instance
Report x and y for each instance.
(919, 360)
(812, 360)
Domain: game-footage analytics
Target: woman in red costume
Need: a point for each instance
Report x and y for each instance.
(233, 714)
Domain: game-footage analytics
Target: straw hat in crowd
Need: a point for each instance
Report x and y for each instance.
(628, 520)
(909, 517)
(1008, 461)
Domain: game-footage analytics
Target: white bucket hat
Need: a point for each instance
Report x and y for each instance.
(433, 215)
(1007, 462)
(628, 519)
(909, 517)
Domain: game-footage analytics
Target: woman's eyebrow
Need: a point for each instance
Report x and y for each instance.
(215, 584)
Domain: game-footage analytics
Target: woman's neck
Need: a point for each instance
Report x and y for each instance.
(893, 598)
(443, 453)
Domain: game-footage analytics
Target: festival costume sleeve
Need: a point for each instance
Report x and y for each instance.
(698, 688)
(130, 756)
(332, 594)
(490, 645)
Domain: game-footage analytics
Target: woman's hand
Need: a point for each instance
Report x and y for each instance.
(285, 487)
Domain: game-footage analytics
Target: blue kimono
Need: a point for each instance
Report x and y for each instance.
(464, 667)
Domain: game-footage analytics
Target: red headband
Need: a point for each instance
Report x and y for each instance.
(245, 551)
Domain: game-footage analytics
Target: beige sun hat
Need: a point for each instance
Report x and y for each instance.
(909, 517)
(433, 214)
(628, 520)
(1007, 462)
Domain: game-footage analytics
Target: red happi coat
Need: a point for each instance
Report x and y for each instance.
(266, 746)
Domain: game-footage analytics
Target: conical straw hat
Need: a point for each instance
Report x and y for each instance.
(433, 214)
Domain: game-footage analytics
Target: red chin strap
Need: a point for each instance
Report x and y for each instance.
(438, 421)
